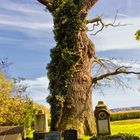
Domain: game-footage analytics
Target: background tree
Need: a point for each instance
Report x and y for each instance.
(70, 68)
(15, 107)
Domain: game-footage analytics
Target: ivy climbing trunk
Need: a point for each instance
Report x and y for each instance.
(69, 71)
(77, 111)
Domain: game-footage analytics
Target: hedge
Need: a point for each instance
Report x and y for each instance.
(122, 136)
(125, 115)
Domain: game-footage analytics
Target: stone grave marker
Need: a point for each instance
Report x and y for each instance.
(54, 135)
(70, 134)
(41, 122)
(102, 116)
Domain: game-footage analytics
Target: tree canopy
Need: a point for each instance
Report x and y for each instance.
(15, 108)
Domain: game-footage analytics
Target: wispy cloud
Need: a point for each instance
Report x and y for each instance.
(16, 6)
(37, 89)
(28, 18)
(25, 24)
(132, 64)
(122, 15)
(118, 37)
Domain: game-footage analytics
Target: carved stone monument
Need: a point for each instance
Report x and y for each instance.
(102, 117)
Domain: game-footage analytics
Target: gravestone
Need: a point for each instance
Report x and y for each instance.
(70, 134)
(41, 122)
(54, 135)
(41, 125)
(102, 117)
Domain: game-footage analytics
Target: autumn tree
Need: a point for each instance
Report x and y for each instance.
(70, 69)
(15, 107)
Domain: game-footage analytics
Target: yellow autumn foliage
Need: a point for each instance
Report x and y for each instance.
(15, 109)
(6, 85)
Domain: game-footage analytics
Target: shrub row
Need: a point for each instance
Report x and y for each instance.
(125, 115)
(122, 136)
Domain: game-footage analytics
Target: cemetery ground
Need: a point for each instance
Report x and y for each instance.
(131, 126)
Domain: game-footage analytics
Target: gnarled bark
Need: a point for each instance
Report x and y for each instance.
(77, 110)
(69, 71)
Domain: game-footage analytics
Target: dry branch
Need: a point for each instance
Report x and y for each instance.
(98, 21)
(119, 70)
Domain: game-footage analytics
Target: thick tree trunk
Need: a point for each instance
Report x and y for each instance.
(69, 71)
(77, 111)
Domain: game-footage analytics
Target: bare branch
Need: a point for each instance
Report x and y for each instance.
(119, 70)
(98, 21)
(101, 62)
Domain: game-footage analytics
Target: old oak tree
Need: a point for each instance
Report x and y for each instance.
(70, 69)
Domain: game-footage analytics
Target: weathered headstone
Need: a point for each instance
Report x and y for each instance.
(41, 125)
(54, 135)
(70, 135)
(102, 117)
(41, 122)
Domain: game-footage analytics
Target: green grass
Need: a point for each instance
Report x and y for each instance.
(131, 126)
(126, 126)
(86, 137)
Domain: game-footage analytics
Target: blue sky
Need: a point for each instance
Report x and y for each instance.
(26, 38)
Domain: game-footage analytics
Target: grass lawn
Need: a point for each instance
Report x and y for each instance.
(126, 126)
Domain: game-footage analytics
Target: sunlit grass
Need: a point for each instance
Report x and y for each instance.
(126, 126)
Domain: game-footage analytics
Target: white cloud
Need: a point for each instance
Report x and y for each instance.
(29, 18)
(38, 89)
(26, 7)
(118, 100)
(122, 15)
(5, 39)
(24, 24)
(132, 64)
(119, 37)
